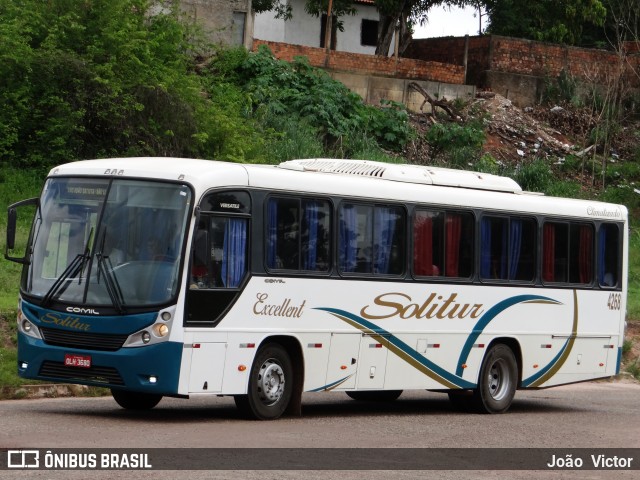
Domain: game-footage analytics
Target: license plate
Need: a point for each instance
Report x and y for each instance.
(72, 360)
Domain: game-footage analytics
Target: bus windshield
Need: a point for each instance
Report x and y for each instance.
(107, 242)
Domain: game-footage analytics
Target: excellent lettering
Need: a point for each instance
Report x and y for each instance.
(283, 309)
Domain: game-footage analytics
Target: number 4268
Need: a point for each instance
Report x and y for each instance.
(615, 299)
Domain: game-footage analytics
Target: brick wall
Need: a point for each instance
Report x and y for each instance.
(451, 50)
(369, 64)
(523, 57)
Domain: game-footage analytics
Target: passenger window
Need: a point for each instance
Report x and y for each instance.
(219, 252)
(298, 234)
(507, 248)
(371, 239)
(608, 255)
(567, 252)
(442, 244)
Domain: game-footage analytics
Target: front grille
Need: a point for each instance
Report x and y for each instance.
(106, 375)
(86, 341)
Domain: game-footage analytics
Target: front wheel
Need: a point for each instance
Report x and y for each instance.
(498, 381)
(270, 384)
(135, 400)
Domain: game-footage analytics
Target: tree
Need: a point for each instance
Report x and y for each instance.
(558, 21)
(403, 14)
(282, 8)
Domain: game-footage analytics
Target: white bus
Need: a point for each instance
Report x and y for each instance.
(176, 277)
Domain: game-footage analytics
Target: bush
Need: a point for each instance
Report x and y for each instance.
(297, 90)
(535, 176)
(94, 79)
(455, 145)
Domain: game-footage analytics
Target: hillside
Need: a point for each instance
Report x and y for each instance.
(558, 136)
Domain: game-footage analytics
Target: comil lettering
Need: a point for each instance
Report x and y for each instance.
(394, 304)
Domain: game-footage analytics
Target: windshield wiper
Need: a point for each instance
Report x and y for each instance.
(111, 282)
(74, 269)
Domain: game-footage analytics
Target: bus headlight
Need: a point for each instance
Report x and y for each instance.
(27, 327)
(153, 334)
(161, 330)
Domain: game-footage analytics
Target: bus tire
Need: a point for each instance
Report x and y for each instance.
(135, 400)
(497, 381)
(270, 384)
(375, 395)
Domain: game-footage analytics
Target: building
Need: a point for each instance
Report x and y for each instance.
(224, 21)
(359, 35)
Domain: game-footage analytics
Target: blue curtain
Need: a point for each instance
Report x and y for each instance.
(383, 229)
(514, 247)
(348, 239)
(310, 257)
(504, 249)
(602, 245)
(272, 233)
(234, 249)
(485, 248)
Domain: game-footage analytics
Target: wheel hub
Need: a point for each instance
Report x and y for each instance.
(498, 380)
(271, 382)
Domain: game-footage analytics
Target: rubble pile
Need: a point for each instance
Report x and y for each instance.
(514, 134)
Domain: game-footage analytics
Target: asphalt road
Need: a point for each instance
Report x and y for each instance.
(590, 415)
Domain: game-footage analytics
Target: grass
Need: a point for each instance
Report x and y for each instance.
(633, 296)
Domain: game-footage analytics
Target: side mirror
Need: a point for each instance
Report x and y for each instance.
(12, 228)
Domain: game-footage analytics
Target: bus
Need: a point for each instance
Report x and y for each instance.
(184, 278)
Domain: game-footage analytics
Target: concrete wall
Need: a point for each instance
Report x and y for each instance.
(373, 89)
(217, 19)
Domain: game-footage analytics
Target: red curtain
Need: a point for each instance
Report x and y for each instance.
(585, 252)
(423, 245)
(548, 252)
(452, 247)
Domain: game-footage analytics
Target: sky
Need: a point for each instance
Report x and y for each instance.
(443, 22)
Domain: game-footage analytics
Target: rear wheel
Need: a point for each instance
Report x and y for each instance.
(270, 384)
(375, 395)
(498, 381)
(135, 400)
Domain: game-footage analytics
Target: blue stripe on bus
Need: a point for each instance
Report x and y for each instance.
(332, 385)
(403, 347)
(492, 313)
